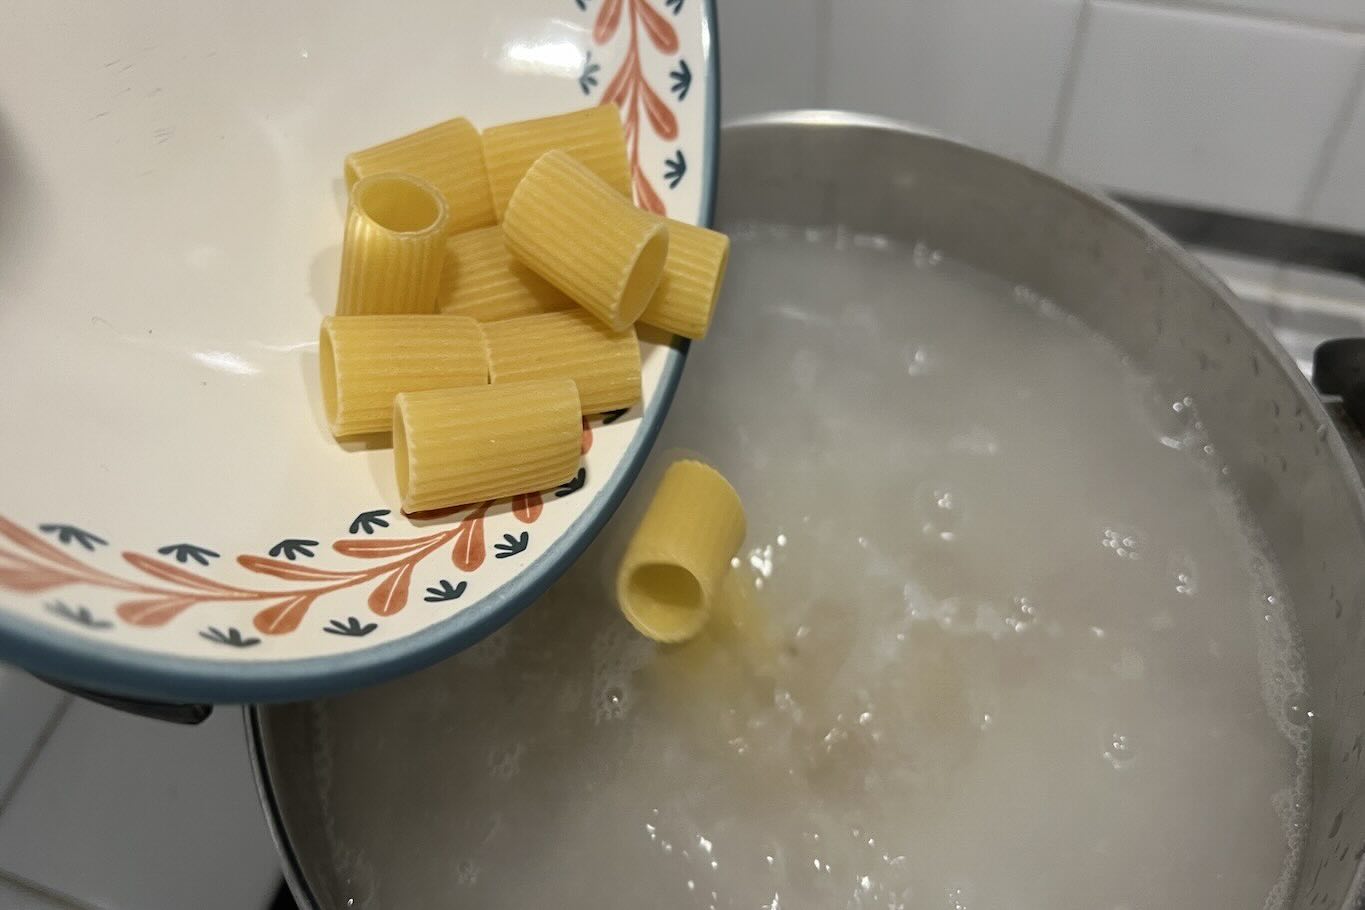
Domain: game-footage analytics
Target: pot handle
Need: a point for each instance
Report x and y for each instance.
(189, 714)
(1339, 369)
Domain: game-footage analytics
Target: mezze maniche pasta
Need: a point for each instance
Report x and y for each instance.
(483, 280)
(604, 365)
(394, 246)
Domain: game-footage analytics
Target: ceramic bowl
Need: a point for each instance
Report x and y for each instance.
(175, 520)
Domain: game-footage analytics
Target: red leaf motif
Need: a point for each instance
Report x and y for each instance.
(381, 549)
(587, 437)
(657, 27)
(167, 572)
(468, 554)
(527, 507)
(608, 19)
(646, 198)
(285, 616)
(660, 117)
(155, 612)
(392, 595)
(37, 546)
(289, 570)
(32, 578)
(619, 87)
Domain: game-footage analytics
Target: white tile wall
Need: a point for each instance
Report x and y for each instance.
(124, 813)
(1323, 12)
(988, 73)
(771, 54)
(1340, 200)
(1226, 111)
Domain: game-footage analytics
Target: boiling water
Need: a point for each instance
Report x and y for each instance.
(998, 639)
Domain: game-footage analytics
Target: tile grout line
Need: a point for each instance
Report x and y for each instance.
(35, 750)
(1215, 8)
(1066, 93)
(56, 897)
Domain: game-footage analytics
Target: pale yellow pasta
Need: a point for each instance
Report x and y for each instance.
(675, 564)
(457, 446)
(449, 156)
(481, 279)
(577, 233)
(394, 246)
(593, 136)
(605, 365)
(693, 272)
(367, 360)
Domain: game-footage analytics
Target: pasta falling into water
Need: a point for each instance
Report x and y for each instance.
(449, 156)
(394, 246)
(458, 446)
(367, 360)
(593, 136)
(680, 554)
(584, 238)
(605, 365)
(483, 280)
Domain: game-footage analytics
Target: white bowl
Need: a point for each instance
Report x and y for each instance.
(175, 520)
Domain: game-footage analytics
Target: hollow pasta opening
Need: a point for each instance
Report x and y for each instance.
(399, 203)
(665, 599)
(644, 278)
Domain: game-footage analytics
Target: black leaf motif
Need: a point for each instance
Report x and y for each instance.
(368, 521)
(445, 591)
(79, 615)
(351, 627)
(293, 547)
(232, 638)
(184, 552)
(611, 417)
(675, 169)
(682, 80)
(574, 485)
(675, 5)
(587, 80)
(511, 546)
(581, 4)
(71, 534)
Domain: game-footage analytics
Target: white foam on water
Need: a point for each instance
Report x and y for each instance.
(1001, 635)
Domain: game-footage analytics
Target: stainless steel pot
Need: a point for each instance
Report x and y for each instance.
(1149, 297)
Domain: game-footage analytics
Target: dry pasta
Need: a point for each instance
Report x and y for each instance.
(449, 156)
(593, 136)
(605, 365)
(580, 235)
(394, 246)
(367, 360)
(686, 298)
(676, 561)
(457, 446)
(483, 280)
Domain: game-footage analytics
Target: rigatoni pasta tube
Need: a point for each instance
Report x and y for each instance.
(593, 136)
(584, 238)
(483, 280)
(367, 360)
(449, 156)
(693, 272)
(394, 246)
(457, 446)
(674, 565)
(605, 365)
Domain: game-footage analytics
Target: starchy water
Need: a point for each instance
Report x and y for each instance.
(1000, 637)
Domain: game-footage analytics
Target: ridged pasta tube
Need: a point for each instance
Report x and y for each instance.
(458, 446)
(676, 561)
(394, 246)
(583, 237)
(693, 272)
(483, 280)
(593, 136)
(605, 365)
(367, 360)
